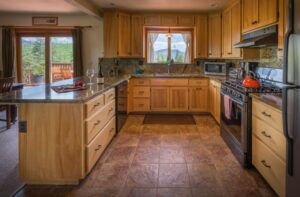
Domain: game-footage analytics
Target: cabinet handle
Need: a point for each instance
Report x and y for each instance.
(254, 22)
(98, 148)
(96, 123)
(265, 134)
(97, 104)
(265, 164)
(229, 53)
(266, 114)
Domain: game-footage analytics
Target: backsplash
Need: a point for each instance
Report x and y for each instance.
(268, 58)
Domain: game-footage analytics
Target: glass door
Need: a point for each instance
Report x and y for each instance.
(33, 60)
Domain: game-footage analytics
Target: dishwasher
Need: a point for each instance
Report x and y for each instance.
(121, 105)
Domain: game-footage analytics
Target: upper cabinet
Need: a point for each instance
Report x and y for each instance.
(214, 35)
(183, 20)
(123, 34)
(281, 26)
(201, 36)
(258, 14)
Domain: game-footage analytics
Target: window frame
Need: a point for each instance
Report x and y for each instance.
(171, 30)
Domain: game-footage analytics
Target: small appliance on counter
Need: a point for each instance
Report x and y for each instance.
(216, 68)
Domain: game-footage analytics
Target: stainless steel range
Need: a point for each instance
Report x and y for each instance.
(236, 119)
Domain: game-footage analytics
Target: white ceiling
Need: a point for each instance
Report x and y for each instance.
(166, 5)
(37, 6)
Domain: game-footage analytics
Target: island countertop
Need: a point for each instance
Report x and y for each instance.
(45, 94)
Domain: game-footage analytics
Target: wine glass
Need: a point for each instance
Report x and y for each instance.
(90, 72)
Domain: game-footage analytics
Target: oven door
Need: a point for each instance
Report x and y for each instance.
(234, 123)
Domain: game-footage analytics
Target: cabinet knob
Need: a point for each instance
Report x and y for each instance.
(265, 163)
(266, 114)
(265, 134)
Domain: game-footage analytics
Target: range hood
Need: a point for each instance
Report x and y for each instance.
(260, 38)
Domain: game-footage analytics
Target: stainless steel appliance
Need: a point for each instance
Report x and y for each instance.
(236, 121)
(216, 68)
(291, 97)
(121, 105)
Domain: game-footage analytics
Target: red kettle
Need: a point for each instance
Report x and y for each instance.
(251, 80)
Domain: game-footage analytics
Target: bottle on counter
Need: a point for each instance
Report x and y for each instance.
(100, 77)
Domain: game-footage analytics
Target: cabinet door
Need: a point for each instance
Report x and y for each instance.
(267, 12)
(249, 10)
(186, 20)
(226, 31)
(201, 39)
(159, 99)
(124, 35)
(169, 20)
(211, 99)
(281, 26)
(235, 29)
(217, 103)
(110, 33)
(137, 36)
(152, 20)
(179, 99)
(214, 34)
(198, 99)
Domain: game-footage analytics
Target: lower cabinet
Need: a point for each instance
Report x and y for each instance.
(179, 99)
(215, 99)
(198, 99)
(160, 98)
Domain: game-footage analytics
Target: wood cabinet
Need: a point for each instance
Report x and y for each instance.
(282, 29)
(179, 99)
(215, 99)
(124, 35)
(258, 14)
(269, 144)
(201, 39)
(186, 20)
(152, 19)
(214, 35)
(169, 20)
(137, 32)
(160, 99)
(198, 99)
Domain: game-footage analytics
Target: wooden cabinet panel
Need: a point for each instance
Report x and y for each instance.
(141, 82)
(141, 92)
(179, 99)
(141, 104)
(137, 28)
(93, 105)
(236, 29)
(281, 26)
(160, 99)
(198, 82)
(124, 35)
(202, 37)
(226, 31)
(267, 12)
(109, 95)
(152, 20)
(186, 20)
(248, 9)
(169, 82)
(169, 20)
(214, 35)
(215, 99)
(198, 99)
(110, 33)
(269, 165)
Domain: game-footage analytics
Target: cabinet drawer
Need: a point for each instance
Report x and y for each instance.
(269, 165)
(169, 82)
(271, 137)
(268, 114)
(111, 129)
(95, 123)
(109, 95)
(198, 82)
(122, 104)
(93, 105)
(141, 82)
(141, 104)
(141, 92)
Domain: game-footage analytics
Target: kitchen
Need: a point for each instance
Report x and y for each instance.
(182, 99)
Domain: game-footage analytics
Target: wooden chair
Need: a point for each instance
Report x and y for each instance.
(6, 86)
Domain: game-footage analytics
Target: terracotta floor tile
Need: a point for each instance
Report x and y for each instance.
(132, 129)
(142, 175)
(149, 140)
(152, 129)
(171, 155)
(126, 140)
(170, 129)
(122, 154)
(209, 191)
(138, 192)
(147, 155)
(174, 192)
(135, 120)
(173, 175)
(173, 140)
(190, 130)
(197, 154)
(200, 173)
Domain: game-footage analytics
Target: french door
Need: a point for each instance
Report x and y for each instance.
(44, 57)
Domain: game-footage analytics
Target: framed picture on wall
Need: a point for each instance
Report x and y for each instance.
(44, 21)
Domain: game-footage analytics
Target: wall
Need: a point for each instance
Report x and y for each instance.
(92, 37)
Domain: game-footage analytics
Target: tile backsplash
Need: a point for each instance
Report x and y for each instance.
(268, 58)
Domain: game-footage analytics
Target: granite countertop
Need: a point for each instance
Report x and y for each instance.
(45, 94)
(273, 99)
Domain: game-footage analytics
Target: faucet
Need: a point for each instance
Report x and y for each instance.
(169, 62)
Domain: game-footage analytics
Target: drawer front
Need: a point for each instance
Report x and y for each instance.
(93, 105)
(169, 82)
(198, 82)
(122, 104)
(141, 104)
(111, 129)
(268, 114)
(95, 149)
(109, 95)
(141, 92)
(271, 137)
(141, 82)
(95, 123)
(269, 165)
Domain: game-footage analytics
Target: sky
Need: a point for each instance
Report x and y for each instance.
(176, 41)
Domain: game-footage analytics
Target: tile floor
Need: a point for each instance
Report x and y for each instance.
(165, 160)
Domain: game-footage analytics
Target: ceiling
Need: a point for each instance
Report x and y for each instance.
(162, 5)
(37, 6)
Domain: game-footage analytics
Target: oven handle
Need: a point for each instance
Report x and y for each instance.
(234, 100)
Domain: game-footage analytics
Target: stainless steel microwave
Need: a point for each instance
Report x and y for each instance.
(216, 68)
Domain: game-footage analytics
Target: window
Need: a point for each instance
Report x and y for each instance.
(175, 45)
(44, 57)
